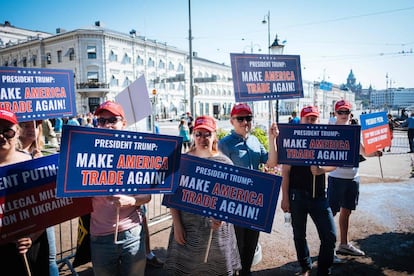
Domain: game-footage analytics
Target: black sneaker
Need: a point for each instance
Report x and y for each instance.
(155, 262)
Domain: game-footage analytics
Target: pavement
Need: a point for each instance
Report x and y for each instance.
(382, 181)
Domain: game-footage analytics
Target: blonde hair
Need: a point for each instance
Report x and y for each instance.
(214, 147)
(39, 142)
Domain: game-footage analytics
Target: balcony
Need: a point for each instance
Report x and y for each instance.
(89, 87)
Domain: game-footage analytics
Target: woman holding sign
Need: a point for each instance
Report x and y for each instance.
(303, 194)
(117, 235)
(28, 255)
(200, 245)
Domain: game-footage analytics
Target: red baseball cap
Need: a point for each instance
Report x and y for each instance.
(239, 108)
(112, 107)
(309, 111)
(8, 116)
(342, 104)
(205, 122)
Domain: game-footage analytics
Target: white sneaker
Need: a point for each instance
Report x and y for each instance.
(349, 249)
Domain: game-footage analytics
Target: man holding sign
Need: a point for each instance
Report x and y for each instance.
(303, 194)
(117, 236)
(343, 186)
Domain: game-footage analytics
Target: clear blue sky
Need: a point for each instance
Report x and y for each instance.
(332, 37)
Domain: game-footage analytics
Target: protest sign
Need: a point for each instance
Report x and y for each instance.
(376, 133)
(100, 161)
(27, 198)
(37, 93)
(324, 145)
(266, 77)
(135, 101)
(237, 195)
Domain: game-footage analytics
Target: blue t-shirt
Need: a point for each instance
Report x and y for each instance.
(247, 153)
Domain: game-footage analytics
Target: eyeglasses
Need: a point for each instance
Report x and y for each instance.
(111, 120)
(343, 112)
(241, 119)
(205, 135)
(8, 133)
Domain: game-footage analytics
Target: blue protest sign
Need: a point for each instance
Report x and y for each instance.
(98, 161)
(266, 77)
(237, 195)
(28, 200)
(37, 93)
(325, 145)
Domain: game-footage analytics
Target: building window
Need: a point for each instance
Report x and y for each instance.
(127, 59)
(151, 62)
(6, 64)
(140, 61)
(34, 58)
(14, 62)
(161, 64)
(170, 66)
(59, 56)
(48, 58)
(180, 68)
(91, 52)
(114, 81)
(113, 56)
(93, 77)
(71, 53)
(24, 61)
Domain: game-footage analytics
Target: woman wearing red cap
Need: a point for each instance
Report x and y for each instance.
(35, 247)
(190, 232)
(127, 255)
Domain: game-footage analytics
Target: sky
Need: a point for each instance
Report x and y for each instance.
(373, 38)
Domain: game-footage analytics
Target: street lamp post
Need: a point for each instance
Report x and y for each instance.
(274, 48)
(277, 49)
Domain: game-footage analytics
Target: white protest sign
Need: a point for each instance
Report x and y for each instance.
(135, 101)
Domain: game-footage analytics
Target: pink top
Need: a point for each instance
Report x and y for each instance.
(103, 217)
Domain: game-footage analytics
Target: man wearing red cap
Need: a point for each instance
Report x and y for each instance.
(343, 187)
(303, 194)
(127, 256)
(35, 247)
(246, 151)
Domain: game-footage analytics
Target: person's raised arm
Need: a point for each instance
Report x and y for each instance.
(272, 158)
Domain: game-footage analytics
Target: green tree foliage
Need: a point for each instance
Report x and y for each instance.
(260, 133)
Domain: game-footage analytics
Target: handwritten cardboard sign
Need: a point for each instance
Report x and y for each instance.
(98, 161)
(376, 133)
(325, 145)
(37, 93)
(266, 77)
(28, 200)
(237, 195)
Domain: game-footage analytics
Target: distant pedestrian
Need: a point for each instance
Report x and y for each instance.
(410, 124)
(295, 119)
(184, 132)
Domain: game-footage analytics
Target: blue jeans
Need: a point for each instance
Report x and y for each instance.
(126, 257)
(302, 204)
(53, 268)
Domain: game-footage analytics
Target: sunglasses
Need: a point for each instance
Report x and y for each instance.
(343, 112)
(241, 119)
(205, 135)
(110, 120)
(8, 133)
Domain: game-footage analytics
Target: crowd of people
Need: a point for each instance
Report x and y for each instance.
(318, 191)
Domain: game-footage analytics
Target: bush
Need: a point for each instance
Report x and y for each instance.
(259, 132)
